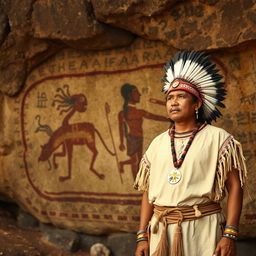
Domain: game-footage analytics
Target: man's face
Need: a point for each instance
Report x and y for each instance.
(180, 106)
(135, 96)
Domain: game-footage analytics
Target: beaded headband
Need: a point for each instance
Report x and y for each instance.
(193, 72)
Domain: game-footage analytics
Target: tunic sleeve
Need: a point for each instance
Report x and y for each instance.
(142, 179)
(230, 157)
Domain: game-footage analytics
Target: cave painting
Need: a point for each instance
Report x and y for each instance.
(69, 135)
(130, 126)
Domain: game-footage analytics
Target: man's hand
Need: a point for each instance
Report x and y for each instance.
(122, 147)
(225, 247)
(142, 249)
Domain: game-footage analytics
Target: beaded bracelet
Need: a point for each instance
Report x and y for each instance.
(142, 239)
(141, 231)
(232, 227)
(229, 236)
(231, 231)
(142, 235)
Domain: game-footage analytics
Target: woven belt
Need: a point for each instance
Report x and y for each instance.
(176, 215)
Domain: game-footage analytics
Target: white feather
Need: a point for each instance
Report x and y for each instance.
(178, 67)
(210, 99)
(192, 69)
(211, 92)
(199, 74)
(196, 74)
(210, 105)
(185, 68)
(204, 79)
(169, 75)
(166, 87)
(207, 111)
(208, 84)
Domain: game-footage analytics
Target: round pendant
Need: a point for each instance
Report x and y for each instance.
(175, 84)
(174, 176)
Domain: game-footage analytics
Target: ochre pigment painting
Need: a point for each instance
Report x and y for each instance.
(83, 121)
(84, 125)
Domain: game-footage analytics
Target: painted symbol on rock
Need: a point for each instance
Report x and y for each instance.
(68, 135)
(41, 100)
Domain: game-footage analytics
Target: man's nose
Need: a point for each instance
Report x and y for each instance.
(174, 102)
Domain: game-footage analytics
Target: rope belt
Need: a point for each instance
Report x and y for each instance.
(176, 215)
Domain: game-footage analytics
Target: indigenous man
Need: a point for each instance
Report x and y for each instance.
(185, 171)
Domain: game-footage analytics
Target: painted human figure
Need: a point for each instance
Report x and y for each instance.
(130, 126)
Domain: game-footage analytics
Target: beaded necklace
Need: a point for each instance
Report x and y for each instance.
(174, 176)
(177, 163)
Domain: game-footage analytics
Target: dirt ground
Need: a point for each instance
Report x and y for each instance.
(18, 242)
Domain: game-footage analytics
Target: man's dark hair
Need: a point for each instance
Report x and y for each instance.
(200, 110)
(126, 90)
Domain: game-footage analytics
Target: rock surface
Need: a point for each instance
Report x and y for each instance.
(32, 30)
(63, 238)
(73, 23)
(26, 220)
(87, 241)
(122, 244)
(185, 25)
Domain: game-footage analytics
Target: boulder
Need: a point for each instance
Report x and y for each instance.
(122, 244)
(63, 238)
(99, 250)
(74, 23)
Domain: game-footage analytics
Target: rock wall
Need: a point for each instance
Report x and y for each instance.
(199, 24)
(33, 30)
(62, 66)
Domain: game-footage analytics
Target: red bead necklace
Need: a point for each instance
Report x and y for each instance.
(177, 163)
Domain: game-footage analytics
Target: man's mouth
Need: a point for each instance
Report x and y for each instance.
(175, 110)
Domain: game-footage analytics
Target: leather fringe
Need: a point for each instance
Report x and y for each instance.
(230, 156)
(142, 179)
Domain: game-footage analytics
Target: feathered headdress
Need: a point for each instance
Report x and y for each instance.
(192, 71)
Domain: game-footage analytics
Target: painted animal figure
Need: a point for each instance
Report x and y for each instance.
(69, 135)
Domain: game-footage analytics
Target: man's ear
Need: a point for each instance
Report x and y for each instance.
(199, 104)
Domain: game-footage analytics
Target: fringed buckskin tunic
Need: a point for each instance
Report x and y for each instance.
(213, 153)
